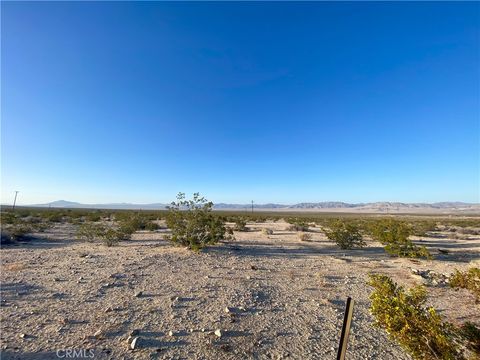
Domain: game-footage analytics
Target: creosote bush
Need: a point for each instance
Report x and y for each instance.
(92, 232)
(192, 222)
(418, 329)
(130, 223)
(240, 224)
(297, 224)
(345, 234)
(467, 280)
(394, 235)
(471, 335)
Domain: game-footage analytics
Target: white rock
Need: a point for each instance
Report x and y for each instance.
(218, 333)
(135, 343)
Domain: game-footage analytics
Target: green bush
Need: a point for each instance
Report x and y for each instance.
(8, 217)
(89, 231)
(17, 231)
(192, 222)
(403, 315)
(421, 228)
(345, 234)
(297, 224)
(112, 236)
(471, 334)
(109, 236)
(130, 223)
(467, 280)
(394, 235)
(240, 224)
(93, 216)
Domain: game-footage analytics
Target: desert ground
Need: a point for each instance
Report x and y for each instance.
(270, 296)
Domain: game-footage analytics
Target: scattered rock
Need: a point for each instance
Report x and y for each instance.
(227, 310)
(171, 333)
(430, 277)
(139, 294)
(218, 333)
(135, 344)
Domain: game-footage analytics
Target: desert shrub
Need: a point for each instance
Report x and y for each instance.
(297, 224)
(421, 228)
(403, 315)
(467, 280)
(54, 216)
(8, 218)
(16, 232)
(394, 235)
(240, 224)
(267, 232)
(192, 222)
(471, 335)
(303, 236)
(345, 234)
(93, 216)
(467, 231)
(130, 223)
(89, 231)
(5, 237)
(109, 236)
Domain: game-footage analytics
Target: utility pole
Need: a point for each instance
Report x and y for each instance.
(15, 200)
(252, 206)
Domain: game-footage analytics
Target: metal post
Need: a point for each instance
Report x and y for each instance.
(347, 321)
(15, 200)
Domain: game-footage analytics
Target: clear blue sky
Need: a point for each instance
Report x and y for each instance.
(275, 102)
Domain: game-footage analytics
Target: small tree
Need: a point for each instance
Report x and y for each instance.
(192, 222)
(345, 234)
(394, 235)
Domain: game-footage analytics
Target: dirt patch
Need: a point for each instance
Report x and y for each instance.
(271, 295)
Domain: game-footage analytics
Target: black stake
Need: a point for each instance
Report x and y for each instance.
(347, 321)
(15, 200)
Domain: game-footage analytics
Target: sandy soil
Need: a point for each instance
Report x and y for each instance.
(285, 297)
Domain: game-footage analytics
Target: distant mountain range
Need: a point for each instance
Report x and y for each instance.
(329, 206)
